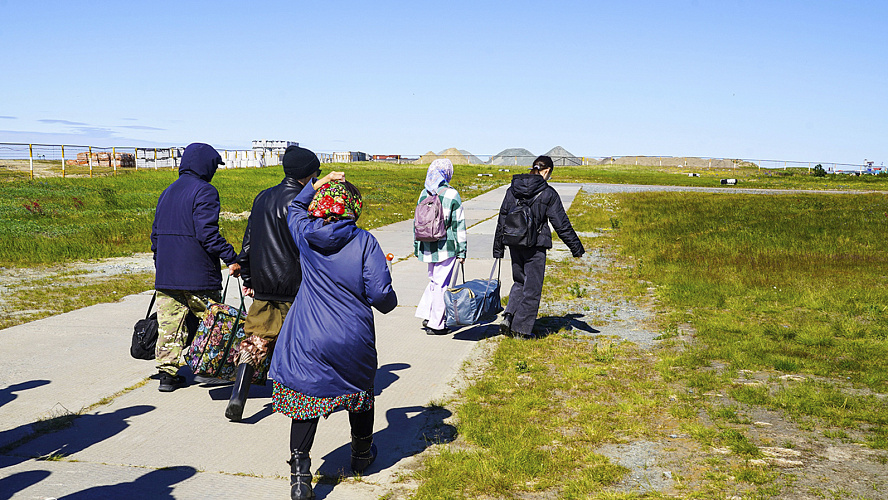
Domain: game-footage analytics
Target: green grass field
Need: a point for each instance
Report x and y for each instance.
(747, 177)
(771, 285)
(48, 221)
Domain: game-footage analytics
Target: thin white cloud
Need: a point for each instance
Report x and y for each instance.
(97, 137)
(63, 122)
(9, 117)
(96, 132)
(141, 127)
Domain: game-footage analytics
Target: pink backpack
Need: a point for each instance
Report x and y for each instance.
(429, 223)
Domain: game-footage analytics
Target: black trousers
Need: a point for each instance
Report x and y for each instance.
(302, 432)
(528, 271)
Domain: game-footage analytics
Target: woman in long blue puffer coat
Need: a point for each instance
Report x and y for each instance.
(325, 358)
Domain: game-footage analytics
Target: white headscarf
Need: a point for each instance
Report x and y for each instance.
(440, 171)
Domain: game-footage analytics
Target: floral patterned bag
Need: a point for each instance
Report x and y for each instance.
(216, 346)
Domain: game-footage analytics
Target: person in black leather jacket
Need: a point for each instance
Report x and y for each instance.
(529, 263)
(269, 264)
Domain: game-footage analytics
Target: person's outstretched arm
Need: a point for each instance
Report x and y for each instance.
(558, 217)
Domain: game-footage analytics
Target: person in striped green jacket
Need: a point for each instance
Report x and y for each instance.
(442, 255)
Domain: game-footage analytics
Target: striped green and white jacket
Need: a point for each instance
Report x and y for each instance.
(454, 245)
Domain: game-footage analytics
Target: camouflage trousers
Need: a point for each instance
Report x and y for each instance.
(262, 326)
(173, 307)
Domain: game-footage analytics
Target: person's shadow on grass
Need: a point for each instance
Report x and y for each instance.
(156, 485)
(8, 393)
(548, 325)
(410, 430)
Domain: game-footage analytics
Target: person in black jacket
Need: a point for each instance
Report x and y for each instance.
(529, 263)
(270, 269)
(187, 246)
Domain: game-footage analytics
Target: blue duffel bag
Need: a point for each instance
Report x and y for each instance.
(474, 300)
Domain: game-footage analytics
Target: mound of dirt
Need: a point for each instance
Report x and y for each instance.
(426, 158)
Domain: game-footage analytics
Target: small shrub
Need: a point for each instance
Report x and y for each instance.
(577, 291)
(819, 171)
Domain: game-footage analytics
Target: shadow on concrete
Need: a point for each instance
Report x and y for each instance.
(19, 481)
(260, 397)
(8, 394)
(385, 376)
(478, 332)
(266, 411)
(256, 392)
(87, 431)
(410, 430)
(156, 485)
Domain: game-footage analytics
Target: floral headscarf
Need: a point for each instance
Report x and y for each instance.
(334, 199)
(441, 170)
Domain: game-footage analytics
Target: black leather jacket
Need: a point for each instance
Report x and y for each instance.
(547, 208)
(269, 259)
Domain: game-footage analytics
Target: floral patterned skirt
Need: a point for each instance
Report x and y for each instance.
(299, 406)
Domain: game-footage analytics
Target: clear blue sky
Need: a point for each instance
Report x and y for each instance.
(794, 80)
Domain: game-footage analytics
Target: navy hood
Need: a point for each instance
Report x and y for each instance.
(526, 186)
(331, 237)
(200, 159)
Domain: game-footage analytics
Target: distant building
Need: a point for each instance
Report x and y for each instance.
(264, 152)
(350, 156)
(158, 157)
(387, 158)
(273, 146)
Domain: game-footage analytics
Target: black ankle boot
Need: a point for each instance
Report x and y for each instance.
(506, 325)
(239, 392)
(363, 453)
(300, 476)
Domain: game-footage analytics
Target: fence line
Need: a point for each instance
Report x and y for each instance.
(78, 159)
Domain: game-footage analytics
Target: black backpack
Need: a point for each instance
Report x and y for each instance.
(145, 335)
(520, 228)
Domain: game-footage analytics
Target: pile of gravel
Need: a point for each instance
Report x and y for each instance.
(562, 157)
(513, 157)
(471, 159)
(456, 156)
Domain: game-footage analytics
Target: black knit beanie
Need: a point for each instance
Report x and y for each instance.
(300, 163)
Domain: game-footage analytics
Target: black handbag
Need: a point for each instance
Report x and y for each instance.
(145, 334)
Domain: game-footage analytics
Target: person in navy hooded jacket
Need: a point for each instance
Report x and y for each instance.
(187, 247)
(325, 358)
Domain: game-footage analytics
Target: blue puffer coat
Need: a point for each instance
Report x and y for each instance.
(327, 345)
(185, 236)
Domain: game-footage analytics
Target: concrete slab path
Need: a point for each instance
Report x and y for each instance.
(147, 444)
